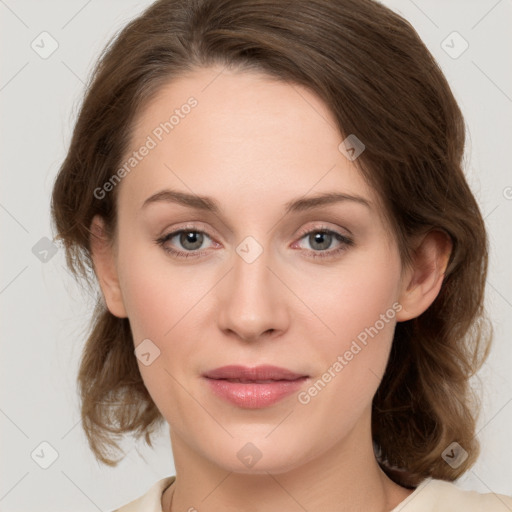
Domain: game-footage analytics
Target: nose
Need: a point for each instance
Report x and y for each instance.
(252, 299)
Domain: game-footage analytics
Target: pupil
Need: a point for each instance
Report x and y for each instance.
(318, 237)
(193, 238)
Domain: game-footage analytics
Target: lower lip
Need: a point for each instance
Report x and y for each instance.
(252, 395)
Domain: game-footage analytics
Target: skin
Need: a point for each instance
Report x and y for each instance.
(253, 144)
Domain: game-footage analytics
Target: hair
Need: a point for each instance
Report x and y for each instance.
(381, 83)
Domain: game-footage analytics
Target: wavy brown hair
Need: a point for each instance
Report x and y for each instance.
(381, 83)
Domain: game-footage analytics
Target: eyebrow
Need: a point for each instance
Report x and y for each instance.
(297, 205)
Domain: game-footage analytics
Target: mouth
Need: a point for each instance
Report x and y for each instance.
(260, 373)
(256, 387)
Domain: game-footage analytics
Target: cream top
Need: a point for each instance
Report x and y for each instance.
(431, 495)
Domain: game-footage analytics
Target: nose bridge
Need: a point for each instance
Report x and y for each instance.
(251, 268)
(253, 300)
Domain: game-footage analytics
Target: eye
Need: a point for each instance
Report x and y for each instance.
(190, 239)
(321, 239)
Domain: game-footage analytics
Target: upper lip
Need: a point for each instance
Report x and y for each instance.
(263, 372)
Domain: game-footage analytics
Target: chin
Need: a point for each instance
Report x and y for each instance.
(259, 456)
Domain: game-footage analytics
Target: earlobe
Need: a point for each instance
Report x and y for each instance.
(423, 280)
(104, 267)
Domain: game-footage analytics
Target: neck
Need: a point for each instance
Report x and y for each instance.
(346, 478)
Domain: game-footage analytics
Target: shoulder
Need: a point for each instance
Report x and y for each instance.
(431, 495)
(151, 501)
(434, 495)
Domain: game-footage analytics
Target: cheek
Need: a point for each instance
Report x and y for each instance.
(160, 300)
(156, 291)
(358, 307)
(354, 297)
(352, 361)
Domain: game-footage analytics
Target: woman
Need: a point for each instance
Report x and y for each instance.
(291, 262)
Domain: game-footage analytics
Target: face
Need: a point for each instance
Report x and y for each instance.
(313, 289)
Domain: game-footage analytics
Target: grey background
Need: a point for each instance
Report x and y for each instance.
(45, 314)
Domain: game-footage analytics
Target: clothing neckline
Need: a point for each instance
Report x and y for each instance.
(165, 483)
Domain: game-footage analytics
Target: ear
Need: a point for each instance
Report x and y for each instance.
(422, 282)
(103, 258)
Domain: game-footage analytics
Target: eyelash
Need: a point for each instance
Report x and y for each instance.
(346, 242)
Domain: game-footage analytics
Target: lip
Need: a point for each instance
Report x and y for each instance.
(253, 387)
(255, 373)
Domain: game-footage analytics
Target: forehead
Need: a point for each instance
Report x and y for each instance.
(238, 135)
